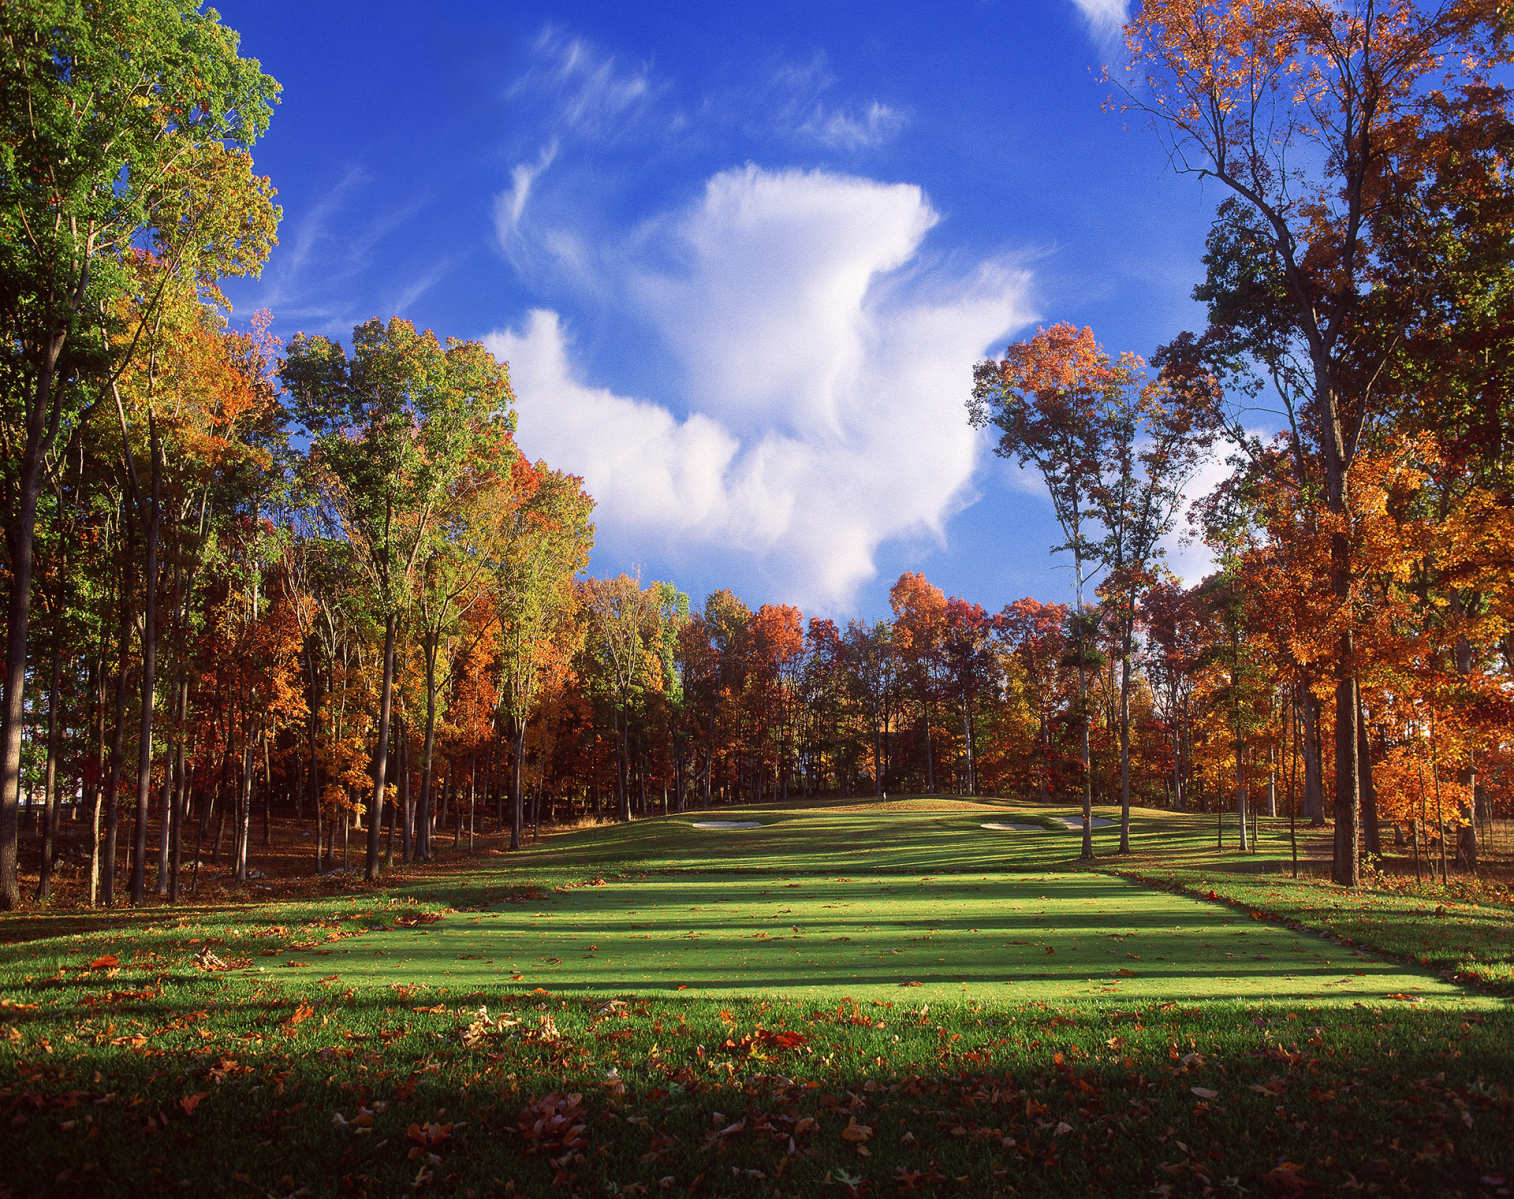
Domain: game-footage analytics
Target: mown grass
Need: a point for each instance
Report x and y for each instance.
(1465, 932)
(367, 1045)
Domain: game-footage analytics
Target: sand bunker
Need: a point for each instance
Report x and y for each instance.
(726, 824)
(1070, 823)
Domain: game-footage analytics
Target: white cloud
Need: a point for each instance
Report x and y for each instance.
(510, 204)
(842, 130)
(1187, 555)
(1105, 18)
(590, 91)
(795, 101)
(827, 409)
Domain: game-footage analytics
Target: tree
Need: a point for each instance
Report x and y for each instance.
(1157, 430)
(1035, 634)
(126, 126)
(392, 429)
(919, 637)
(1046, 398)
(1314, 115)
(623, 626)
(546, 543)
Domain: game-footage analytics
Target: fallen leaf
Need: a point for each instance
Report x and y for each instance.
(188, 1104)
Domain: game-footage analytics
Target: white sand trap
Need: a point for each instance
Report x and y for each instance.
(1077, 822)
(726, 824)
(1071, 824)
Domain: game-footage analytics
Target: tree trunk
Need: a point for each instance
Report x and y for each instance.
(1125, 745)
(20, 535)
(50, 787)
(381, 753)
(1314, 782)
(622, 791)
(148, 684)
(117, 747)
(517, 755)
(1085, 719)
(1371, 834)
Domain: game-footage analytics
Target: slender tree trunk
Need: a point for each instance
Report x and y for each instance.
(517, 756)
(1347, 867)
(117, 744)
(1125, 742)
(50, 786)
(20, 535)
(622, 790)
(243, 830)
(148, 683)
(1371, 834)
(94, 792)
(381, 752)
(408, 803)
(930, 758)
(1314, 784)
(1085, 719)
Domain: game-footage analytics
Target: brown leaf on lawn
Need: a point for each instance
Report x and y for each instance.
(1286, 1177)
(1205, 1092)
(855, 1132)
(105, 962)
(299, 1015)
(206, 959)
(554, 1124)
(188, 1104)
(411, 919)
(428, 1135)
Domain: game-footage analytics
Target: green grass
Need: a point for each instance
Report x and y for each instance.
(1466, 932)
(672, 1032)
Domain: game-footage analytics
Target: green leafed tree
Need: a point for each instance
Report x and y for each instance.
(392, 429)
(124, 131)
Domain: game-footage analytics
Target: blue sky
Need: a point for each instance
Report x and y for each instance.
(741, 258)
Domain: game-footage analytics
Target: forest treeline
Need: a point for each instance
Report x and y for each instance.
(321, 581)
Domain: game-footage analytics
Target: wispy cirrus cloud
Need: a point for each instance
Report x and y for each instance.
(798, 101)
(590, 92)
(510, 204)
(856, 129)
(1105, 19)
(334, 241)
(822, 405)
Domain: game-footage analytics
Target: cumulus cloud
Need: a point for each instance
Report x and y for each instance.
(1187, 555)
(826, 407)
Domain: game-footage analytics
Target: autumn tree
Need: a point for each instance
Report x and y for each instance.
(919, 638)
(546, 542)
(126, 128)
(392, 429)
(1314, 116)
(1046, 398)
(622, 618)
(1035, 635)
